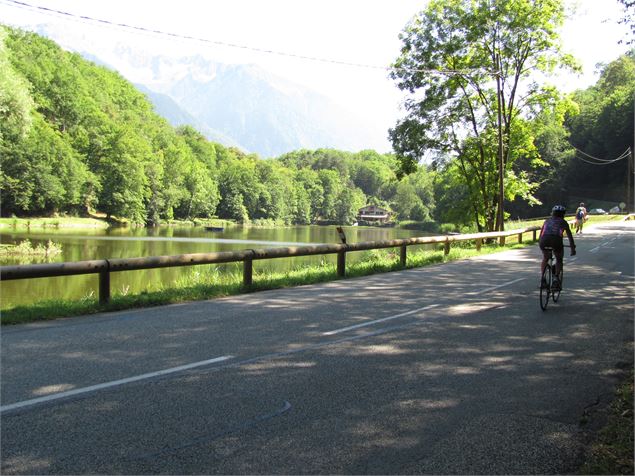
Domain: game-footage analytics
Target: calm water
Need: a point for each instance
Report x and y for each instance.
(78, 245)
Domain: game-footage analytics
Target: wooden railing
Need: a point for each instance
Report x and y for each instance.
(104, 267)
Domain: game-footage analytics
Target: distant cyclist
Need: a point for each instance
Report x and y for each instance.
(580, 218)
(551, 235)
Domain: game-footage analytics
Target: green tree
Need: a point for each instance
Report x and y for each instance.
(200, 181)
(464, 64)
(547, 167)
(274, 191)
(16, 103)
(414, 199)
(603, 129)
(237, 186)
(309, 194)
(333, 187)
(373, 173)
(455, 202)
(123, 176)
(347, 204)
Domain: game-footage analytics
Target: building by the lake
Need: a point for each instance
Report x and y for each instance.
(372, 214)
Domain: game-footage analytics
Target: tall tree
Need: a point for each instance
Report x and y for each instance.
(470, 68)
(604, 130)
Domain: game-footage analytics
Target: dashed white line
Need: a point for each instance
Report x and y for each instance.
(114, 383)
(413, 311)
(496, 287)
(389, 318)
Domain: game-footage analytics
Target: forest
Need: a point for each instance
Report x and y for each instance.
(77, 139)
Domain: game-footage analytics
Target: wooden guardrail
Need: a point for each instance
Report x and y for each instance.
(104, 267)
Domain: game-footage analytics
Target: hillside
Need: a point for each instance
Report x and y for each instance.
(237, 105)
(79, 137)
(76, 137)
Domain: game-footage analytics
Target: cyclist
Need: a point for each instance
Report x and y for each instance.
(551, 236)
(580, 218)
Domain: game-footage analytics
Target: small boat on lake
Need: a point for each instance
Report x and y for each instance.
(215, 228)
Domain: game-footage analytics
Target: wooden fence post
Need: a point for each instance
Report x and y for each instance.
(341, 263)
(248, 271)
(502, 241)
(104, 285)
(479, 243)
(534, 235)
(446, 248)
(520, 237)
(402, 255)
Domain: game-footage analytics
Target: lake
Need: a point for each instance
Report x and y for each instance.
(87, 244)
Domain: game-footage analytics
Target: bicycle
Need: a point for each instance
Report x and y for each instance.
(546, 282)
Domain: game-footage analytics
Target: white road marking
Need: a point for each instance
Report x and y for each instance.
(603, 244)
(114, 383)
(408, 313)
(496, 287)
(389, 318)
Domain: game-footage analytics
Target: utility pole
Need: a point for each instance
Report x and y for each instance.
(501, 164)
(631, 169)
(630, 187)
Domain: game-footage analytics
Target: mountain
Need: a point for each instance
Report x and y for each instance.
(166, 107)
(237, 105)
(264, 113)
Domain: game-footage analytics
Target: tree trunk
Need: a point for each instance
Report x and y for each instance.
(500, 216)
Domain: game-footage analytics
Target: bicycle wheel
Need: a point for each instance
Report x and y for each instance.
(545, 288)
(556, 292)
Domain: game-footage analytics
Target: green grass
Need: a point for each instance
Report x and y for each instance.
(612, 451)
(209, 285)
(54, 222)
(198, 286)
(592, 220)
(25, 248)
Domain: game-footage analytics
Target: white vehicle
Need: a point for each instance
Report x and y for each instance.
(598, 211)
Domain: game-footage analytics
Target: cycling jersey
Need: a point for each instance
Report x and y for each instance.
(555, 226)
(551, 235)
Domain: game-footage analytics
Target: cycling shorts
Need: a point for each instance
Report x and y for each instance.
(552, 241)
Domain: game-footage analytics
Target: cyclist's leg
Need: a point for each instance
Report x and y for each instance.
(559, 253)
(546, 254)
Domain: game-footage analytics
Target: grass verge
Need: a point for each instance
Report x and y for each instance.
(612, 451)
(55, 222)
(201, 286)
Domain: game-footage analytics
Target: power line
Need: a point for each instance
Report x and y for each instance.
(626, 154)
(108, 23)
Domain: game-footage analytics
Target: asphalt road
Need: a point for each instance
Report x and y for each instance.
(448, 369)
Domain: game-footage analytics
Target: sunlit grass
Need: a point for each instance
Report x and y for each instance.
(212, 283)
(592, 220)
(26, 248)
(612, 452)
(54, 222)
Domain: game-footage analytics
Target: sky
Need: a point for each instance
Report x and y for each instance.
(363, 32)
